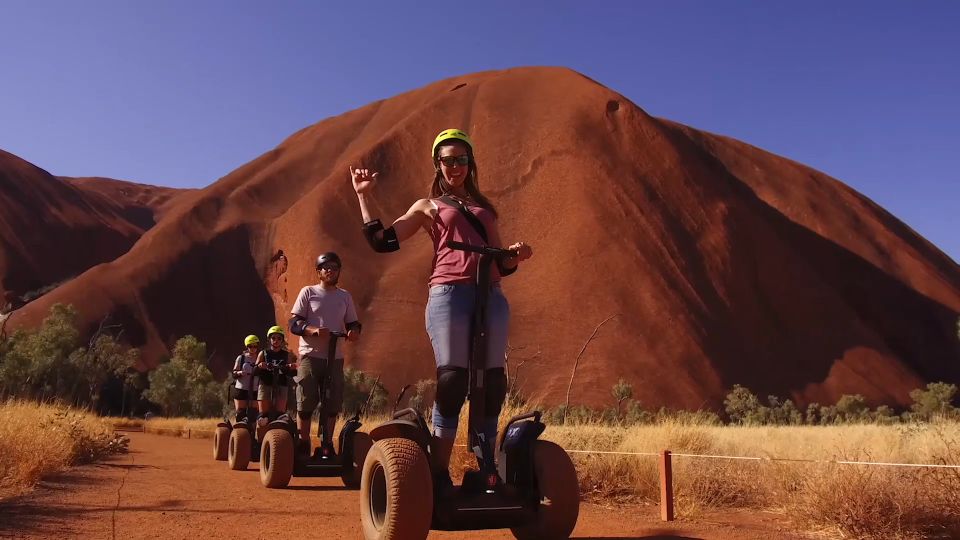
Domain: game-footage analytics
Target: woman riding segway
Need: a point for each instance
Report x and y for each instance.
(454, 193)
(244, 393)
(276, 365)
(467, 318)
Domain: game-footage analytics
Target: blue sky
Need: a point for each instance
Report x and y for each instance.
(180, 93)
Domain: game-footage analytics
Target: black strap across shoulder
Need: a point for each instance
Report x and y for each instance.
(471, 218)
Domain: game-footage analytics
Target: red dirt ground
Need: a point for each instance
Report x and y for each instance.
(172, 488)
(725, 264)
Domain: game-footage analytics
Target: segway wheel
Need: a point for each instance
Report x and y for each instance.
(361, 446)
(558, 492)
(239, 454)
(221, 443)
(276, 459)
(396, 492)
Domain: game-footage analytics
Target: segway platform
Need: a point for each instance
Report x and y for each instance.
(473, 506)
(316, 466)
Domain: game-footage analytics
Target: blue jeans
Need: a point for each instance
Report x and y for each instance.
(448, 316)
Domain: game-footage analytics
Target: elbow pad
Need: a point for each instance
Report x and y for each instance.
(297, 326)
(383, 243)
(355, 325)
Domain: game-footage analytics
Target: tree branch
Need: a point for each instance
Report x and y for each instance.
(100, 329)
(566, 406)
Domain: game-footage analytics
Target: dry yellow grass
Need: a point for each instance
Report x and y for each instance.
(203, 428)
(37, 440)
(851, 500)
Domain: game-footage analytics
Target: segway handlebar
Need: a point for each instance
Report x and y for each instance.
(498, 253)
(268, 369)
(400, 396)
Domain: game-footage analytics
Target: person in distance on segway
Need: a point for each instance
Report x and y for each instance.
(276, 363)
(319, 310)
(246, 386)
(454, 210)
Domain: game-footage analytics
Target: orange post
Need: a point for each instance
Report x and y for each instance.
(666, 486)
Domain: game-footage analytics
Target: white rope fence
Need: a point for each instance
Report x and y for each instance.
(772, 459)
(665, 465)
(654, 454)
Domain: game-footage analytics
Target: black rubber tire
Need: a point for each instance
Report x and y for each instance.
(361, 447)
(221, 443)
(559, 494)
(396, 492)
(238, 455)
(276, 459)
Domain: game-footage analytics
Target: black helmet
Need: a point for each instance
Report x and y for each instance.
(328, 257)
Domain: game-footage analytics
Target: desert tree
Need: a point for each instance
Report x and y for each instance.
(621, 392)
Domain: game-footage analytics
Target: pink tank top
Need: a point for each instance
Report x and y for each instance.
(452, 265)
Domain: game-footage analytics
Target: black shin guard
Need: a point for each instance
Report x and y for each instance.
(495, 391)
(452, 383)
(322, 430)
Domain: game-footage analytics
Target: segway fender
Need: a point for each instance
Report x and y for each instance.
(401, 429)
(345, 439)
(515, 449)
(287, 426)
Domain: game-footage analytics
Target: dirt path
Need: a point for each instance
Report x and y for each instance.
(172, 488)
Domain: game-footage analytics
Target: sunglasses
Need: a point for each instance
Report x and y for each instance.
(330, 268)
(450, 161)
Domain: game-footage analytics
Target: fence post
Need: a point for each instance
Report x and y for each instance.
(666, 486)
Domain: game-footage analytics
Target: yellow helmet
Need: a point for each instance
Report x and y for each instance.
(251, 340)
(448, 134)
(274, 330)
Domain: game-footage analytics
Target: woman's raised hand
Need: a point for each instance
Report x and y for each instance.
(363, 179)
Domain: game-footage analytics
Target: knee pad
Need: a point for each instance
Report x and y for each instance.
(305, 415)
(495, 391)
(452, 383)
